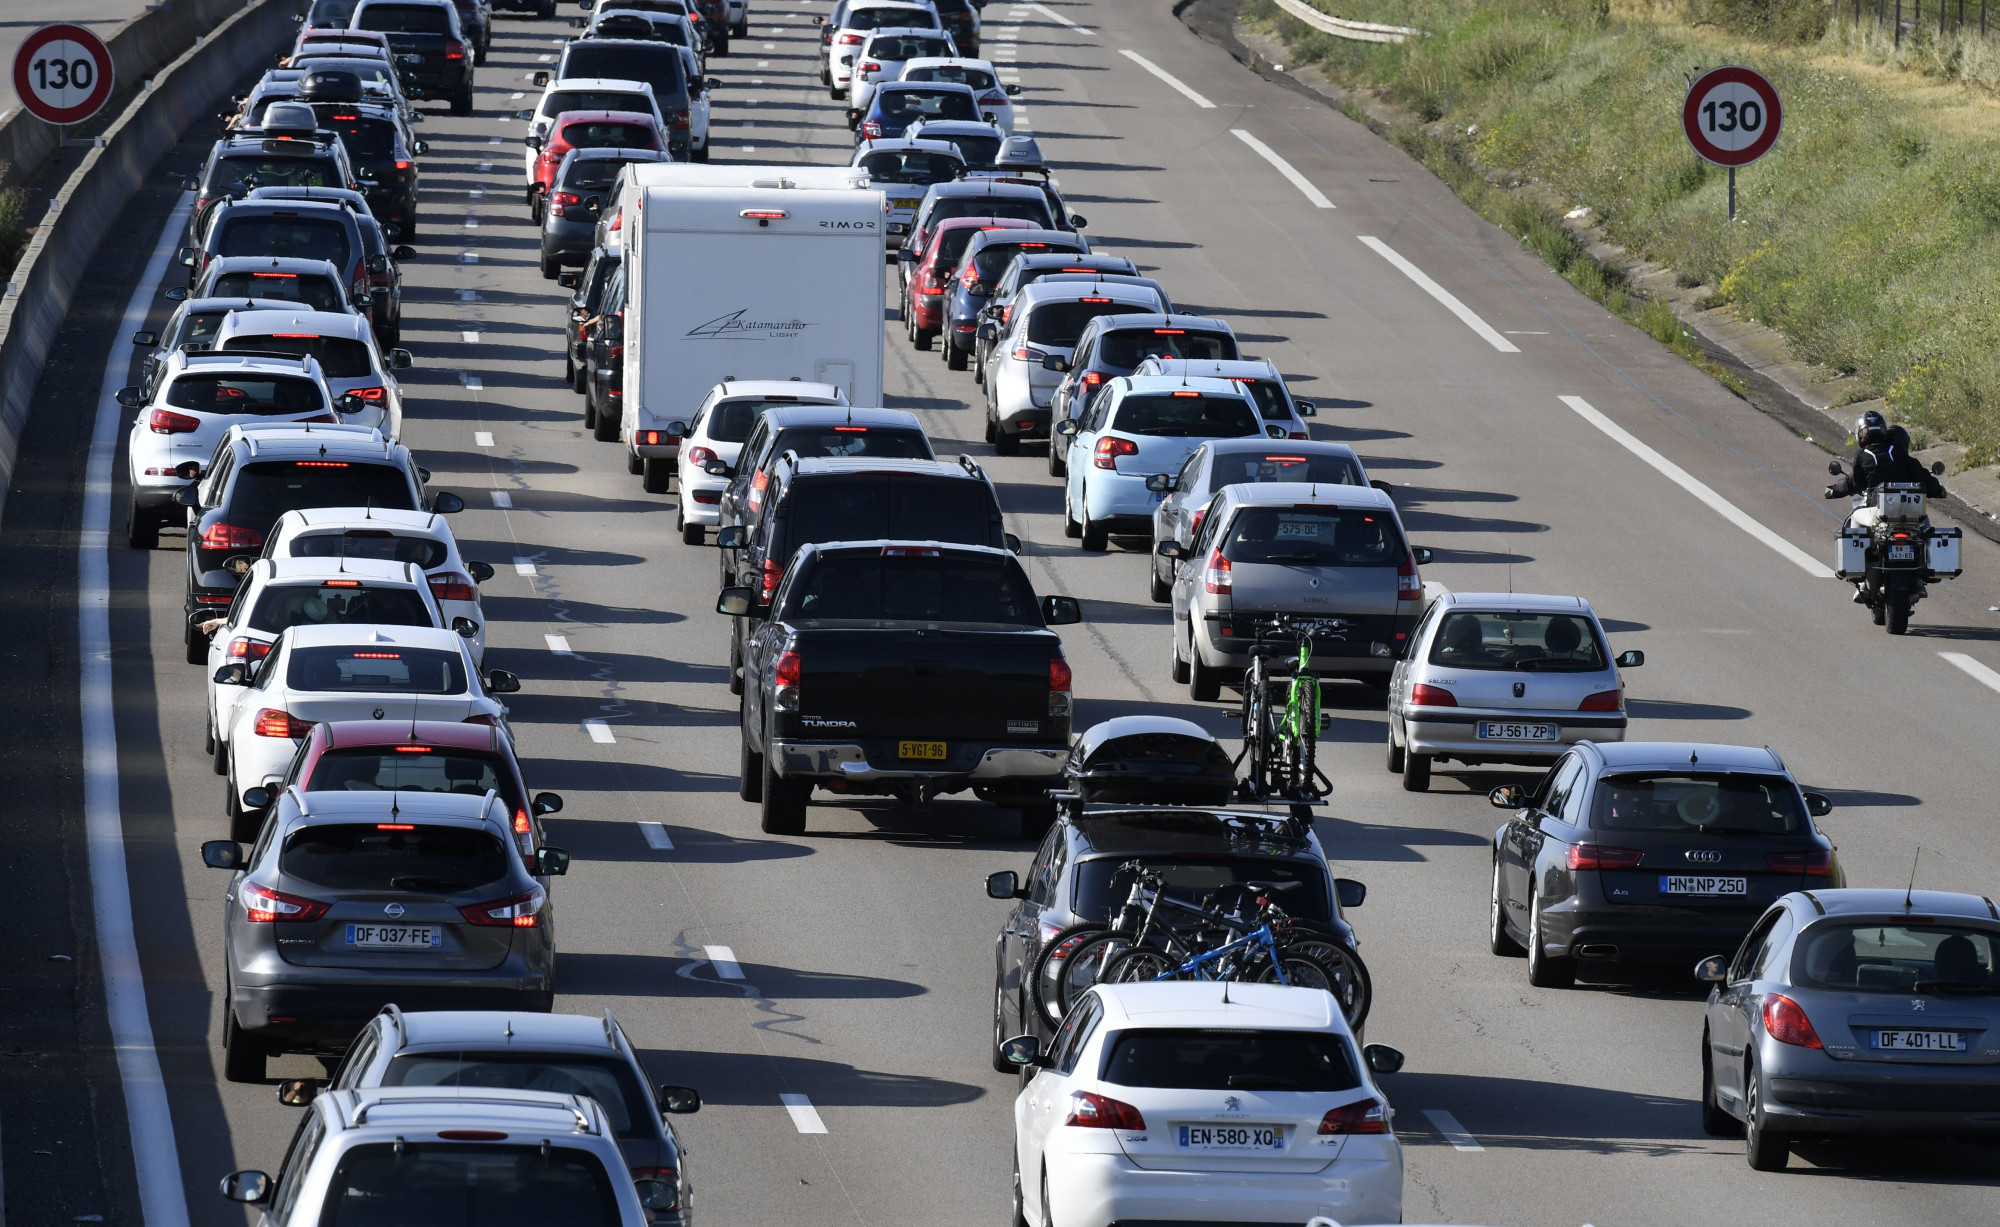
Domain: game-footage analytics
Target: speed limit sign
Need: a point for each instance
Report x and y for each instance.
(63, 74)
(1732, 116)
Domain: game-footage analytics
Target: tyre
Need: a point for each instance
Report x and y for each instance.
(197, 645)
(784, 803)
(954, 358)
(656, 476)
(577, 382)
(142, 528)
(1159, 589)
(461, 102)
(1001, 1065)
(693, 534)
(1180, 669)
(1071, 528)
(1048, 1213)
(1351, 986)
(1899, 617)
(569, 369)
(1058, 454)
(1302, 754)
(479, 56)
(243, 823)
(589, 411)
(1416, 772)
(923, 337)
(218, 754)
(606, 428)
(699, 155)
(735, 663)
(242, 1053)
(834, 92)
(1545, 970)
(1006, 442)
(1042, 1002)
(1715, 1122)
(1137, 965)
(1204, 683)
(742, 30)
(1395, 759)
(749, 772)
(1498, 939)
(550, 267)
(1766, 1149)
(635, 464)
(721, 43)
(1302, 970)
(546, 10)
(1096, 537)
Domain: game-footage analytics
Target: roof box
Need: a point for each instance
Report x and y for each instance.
(1150, 760)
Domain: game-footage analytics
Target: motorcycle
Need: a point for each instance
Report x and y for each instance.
(1893, 560)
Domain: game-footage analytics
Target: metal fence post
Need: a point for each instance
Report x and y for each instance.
(1899, 24)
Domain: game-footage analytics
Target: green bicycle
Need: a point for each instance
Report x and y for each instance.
(1281, 714)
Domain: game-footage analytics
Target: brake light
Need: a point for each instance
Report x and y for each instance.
(1194, 525)
(1089, 1110)
(277, 276)
(910, 551)
(561, 201)
(850, 40)
(786, 671)
(1029, 354)
(413, 749)
(1092, 378)
(514, 912)
(1298, 434)
(276, 722)
(871, 129)
(404, 164)
(163, 422)
(1361, 1116)
(701, 456)
(1217, 578)
(1169, 332)
(1431, 696)
(1599, 856)
(1900, 536)
(262, 905)
(451, 586)
(453, 49)
(395, 826)
(681, 120)
(1059, 673)
(1786, 1022)
(244, 648)
(1811, 864)
(1105, 454)
(773, 573)
(1408, 586)
(871, 66)
(486, 720)
(859, 430)
(1604, 700)
(993, 99)
(371, 394)
(231, 537)
(1195, 395)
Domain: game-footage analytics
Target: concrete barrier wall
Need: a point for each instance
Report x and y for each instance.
(39, 292)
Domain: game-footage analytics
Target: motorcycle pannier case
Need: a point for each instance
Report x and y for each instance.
(1900, 501)
(1944, 551)
(1852, 561)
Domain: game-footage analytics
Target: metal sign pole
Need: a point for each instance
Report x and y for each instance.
(1732, 193)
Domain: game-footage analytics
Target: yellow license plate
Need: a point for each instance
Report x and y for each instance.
(906, 202)
(920, 749)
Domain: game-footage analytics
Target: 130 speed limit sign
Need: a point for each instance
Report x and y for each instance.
(63, 74)
(1732, 116)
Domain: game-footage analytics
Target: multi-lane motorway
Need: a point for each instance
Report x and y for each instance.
(830, 994)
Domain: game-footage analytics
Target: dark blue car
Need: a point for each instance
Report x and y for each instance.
(986, 258)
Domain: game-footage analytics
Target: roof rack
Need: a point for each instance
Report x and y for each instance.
(582, 1118)
(610, 1030)
(970, 465)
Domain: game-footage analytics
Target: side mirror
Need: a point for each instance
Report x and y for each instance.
(1387, 488)
(737, 602)
(134, 396)
(233, 675)
(678, 1100)
(465, 627)
(1421, 555)
(1004, 885)
(189, 255)
(192, 184)
(1077, 221)
(298, 1092)
(989, 331)
(1061, 611)
(1055, 362)
(1350, 892)
(257, 798)
(1013, 91)
(1170, 549)
(481, 571)
(547, 803)
(1713, 970)
(404, 251)
(542, 77)
(390, 230)
(819, 21)
(570, 280)
(1818, 804)
(524, 116)
(1306, 408)
(144, 339)
(188, 496)
(733, 537)
(532, 142)
(251, 1187)
(990, 117)
(222, 854)
(1276, 430)
(1508, 796)
(1631, 659)
(401, 360)
(1067, 428)
(1382, 1059)
(377, 265)
(717, 468)
(551, 862)
(349, 403)
(1013, 542)
(421, 148)
(446, 503)
(906, 255)
(1023, 1050)
(177, 293)
(677, 428)
(499, 681)
(1937, 468)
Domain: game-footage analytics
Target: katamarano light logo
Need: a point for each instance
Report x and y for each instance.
(733, 327)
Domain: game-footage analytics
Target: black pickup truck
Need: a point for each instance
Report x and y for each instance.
(911, 668)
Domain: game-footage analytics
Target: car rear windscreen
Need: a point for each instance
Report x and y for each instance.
(591, 175)
(238, 173)
(979, 152)
(245, 395)
(198, 328)
(864, 507)
(412, 768)
(317, 292)
(372, 543)
(732, 420)
(608, 1080)
(1061, 323)
(1313, 537)
(915, 588)
(598, 100)
(876, 442)
(1129, 347)
(364, 856)
(1902, 957)
(491, 1184)
(1256, 468)
(287, 605)
(370, 142)
(992, 260)
(1528, 642)
(658, 66)
(304, 238)
(1097, 881)
(920, 166)
(1232, 1060)
(906, 106)
(267, 489)
(404, 19)
(960, 74)
(1269, 397)
(376, 669)
(331, 13)
(599, 134)
(951, 244)
(908, 47)
(338, 357)
(633, 25)
(1699, 803)
(1181, 416)
(886, 18)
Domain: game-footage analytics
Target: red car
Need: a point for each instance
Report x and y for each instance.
(928, 285)
(422, 756)
(587, 130)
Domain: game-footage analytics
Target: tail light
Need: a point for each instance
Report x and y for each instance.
(1361, 1116)
(871, 129)
(1408, 586)
(231, 537)
(1059, 684)
(1194, 525)
(522, 826)
(702, 456)
(1298, 434)
(276, 722)
(1216, 578)
(453, 49)
(563, 200)
(994, 99)
(451, 586)
(1108, 449)
(1599, 856)
(245, 648)
(659, 438)
(404, 164)
(1786, 1022)
(1088, 1110)
(514, 912)
(665, 1175)
(1603, 700)
(850, 40)
(262, 905)
(871, 66)
(786, 673)
(1810, 864)
(681, 120)
(1028, 353)
(1092, 378)
(371, 395)
(1431, 696)
(484, 719)
(773, 573)
(163, 422)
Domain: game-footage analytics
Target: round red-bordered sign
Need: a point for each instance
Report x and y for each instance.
(63, 74)
(1732, 116)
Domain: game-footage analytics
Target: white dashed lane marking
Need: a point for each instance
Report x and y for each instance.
(1169, 78)
(523, 566)
(724, 960)
(1432, 288)
(656, 836)
(1973, 669)
(1284, 168)
(559, 644)
(600, 732)
(1447, 1124)
(502, 499)
(470, 338)
(804, 1117)
(482, 438)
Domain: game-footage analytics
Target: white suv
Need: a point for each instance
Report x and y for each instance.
(420, 537)
(715, 436)
(343, 346)
(458, 1154)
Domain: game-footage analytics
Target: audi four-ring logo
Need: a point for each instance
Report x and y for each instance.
(1704, 855)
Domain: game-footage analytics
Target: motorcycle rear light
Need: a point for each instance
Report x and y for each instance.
(1431, 696)
(245, 648)
(773, 572)
(786, 671)
(1361, 1116)
(1089, 1110)
(1409, 587)
(1600, 856)
(514, 912)
(262, 905)
(1603, 700)
(220, 536)
(1105, 454)
(1809, 864)
(1785, 1021)
(1216, 578)
(451, 586)
(276, 722)
(164, 422)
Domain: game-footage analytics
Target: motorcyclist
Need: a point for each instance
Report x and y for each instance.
(1881, 455)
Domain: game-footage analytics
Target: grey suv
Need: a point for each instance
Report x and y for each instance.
(348, 902)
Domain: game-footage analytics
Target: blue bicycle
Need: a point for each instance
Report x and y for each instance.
(1262, 954)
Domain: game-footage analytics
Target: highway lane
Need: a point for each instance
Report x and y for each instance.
(864, 945)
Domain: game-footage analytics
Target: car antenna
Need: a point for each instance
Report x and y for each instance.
(1225, 992)
(1911, 888)
(395, 802)
(1693, 757)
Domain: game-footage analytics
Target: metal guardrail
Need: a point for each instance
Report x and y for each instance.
(1340, 27)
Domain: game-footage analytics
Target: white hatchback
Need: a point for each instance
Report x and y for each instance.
(1202, 1101)
(993, 98)
(585, 94)
(715, 437)
(419, 537)
(882, 56)
(851, 23)
(342, 344)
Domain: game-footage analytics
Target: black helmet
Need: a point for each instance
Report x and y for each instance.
(1871, 427)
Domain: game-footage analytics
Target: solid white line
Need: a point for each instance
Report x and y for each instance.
(155, 1157)
(501, 499)
(1168, 77)
(559, 644)
(725, 962)
(1285, 168)
(656, 836)
(1447, 1124)
(482, 438)
(1052, 15)
(523, 567)
(599, 731)
(803, 1116)
(1978, 672)
(1686, 481)
(1443, 295)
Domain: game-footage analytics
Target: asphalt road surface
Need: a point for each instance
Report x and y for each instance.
(1536, 442)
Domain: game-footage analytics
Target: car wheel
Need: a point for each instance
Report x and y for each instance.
(784, 803)
(954, 357)
(735, 663)
(1498, 939)
(569, 370)
(656, 476)
(1715, 1122)
(693, 534)
(923, 337)
(243, 823)
(218, 754)
(1180, 669)
(547, 10)
(834, 92)
(1395, 758)
(1070, 527)
(992, 427)
(1161, 590)
(1416, 771)
(1048, 1215)
(242, 1053)
(1001, 1065)
(197, 645)
(1096, 536)
(577, 382)
(550, 268)
(1204, 683)
(1058, 446)
(1006, 442)
(635, 464)
(750, 773)
(589, 412)
(1544, 970)
(461, 102)
(698, 155)
(1765, 1148)
(741, 29)
(142, 528)
(606, 428)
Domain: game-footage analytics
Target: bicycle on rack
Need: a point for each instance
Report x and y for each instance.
(1281, 713)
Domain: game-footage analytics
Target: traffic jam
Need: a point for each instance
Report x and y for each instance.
(1179, 1002)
